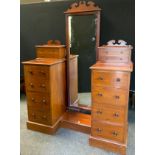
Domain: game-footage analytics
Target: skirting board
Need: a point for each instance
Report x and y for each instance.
(108, 145)
(44, 128)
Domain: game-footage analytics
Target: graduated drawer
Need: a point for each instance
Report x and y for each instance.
(37, 85)
(102, 96)
(109, 114)
(42, 117)
(116, 79)
(38, 100)
(108, 131)
(114, 59)
(36, 72)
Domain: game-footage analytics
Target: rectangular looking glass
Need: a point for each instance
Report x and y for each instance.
(82, 42)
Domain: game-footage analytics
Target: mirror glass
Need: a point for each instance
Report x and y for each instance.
(82, 42)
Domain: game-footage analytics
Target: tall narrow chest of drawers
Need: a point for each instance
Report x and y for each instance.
(46, 93)
(110, 91)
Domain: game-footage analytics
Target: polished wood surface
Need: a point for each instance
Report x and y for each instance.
(46, 92)
(77, 121)
(110, 84)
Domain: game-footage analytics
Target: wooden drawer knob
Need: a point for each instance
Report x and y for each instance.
(43, 101)
(31, 84)
(118, 79)
(115, 133)
(117, 97)
(42, 72)
(99, 94)
(116, 115)
(99, 112)
(33, 115)
(100, 78)
(44, 117)
(42, 85)
(33, 100)
(98, 130)
(31, 72)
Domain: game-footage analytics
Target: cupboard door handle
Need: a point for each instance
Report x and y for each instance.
(100, 78)
(98, 130)
(116, 115)
(115, 133)
(99, 94)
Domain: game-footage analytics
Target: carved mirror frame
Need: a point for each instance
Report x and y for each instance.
(80, 8)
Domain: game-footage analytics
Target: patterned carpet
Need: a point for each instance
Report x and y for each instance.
(65, 141)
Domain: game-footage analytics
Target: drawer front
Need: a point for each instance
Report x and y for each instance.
(37, 85)
(110, 79)
(38, 100)
(39, 117)
(111, 132)
(36, 72)
(114, 51)
(114, 59)
(109, 113)
(101, 96)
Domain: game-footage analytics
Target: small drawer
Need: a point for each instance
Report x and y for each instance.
(39, 117)
(110, 79)
(37, 85)
(101, 96)
(38, 100)
(36, 72)
(110, 114)
(114, 59)
(106, 131)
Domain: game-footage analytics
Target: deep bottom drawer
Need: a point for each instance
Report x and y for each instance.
(39, 117)
(111, 132)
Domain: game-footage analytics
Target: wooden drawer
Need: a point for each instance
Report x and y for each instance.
(37, 85)
(38, 100)
(39, 116)
(114, 59)
(36, 72)
(110, 79)
(109, 113)
(102, 96)
(107, 131)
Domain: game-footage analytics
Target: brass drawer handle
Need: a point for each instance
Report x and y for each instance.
(115, 133)
(118, 79)
(99, 94)
(99, 112)
(42, 85)
(98, 130)
(100, 78)
(117, 97)
(116, 115)
(32, 85)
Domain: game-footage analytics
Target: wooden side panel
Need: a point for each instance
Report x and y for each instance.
(58, 90)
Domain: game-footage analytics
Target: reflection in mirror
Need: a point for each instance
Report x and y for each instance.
(82, 41)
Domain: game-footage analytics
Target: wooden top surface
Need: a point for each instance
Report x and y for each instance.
(120, 67)
(44, 61)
